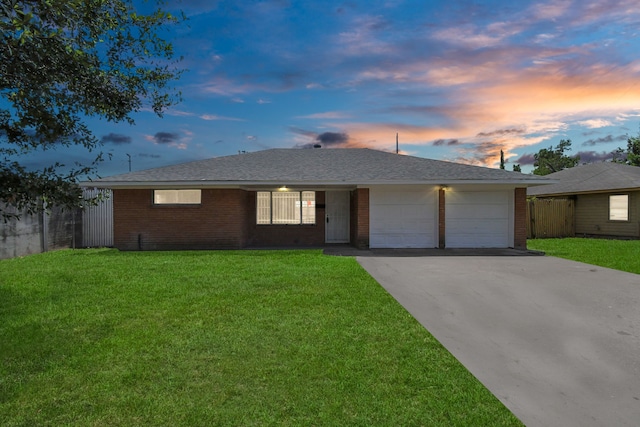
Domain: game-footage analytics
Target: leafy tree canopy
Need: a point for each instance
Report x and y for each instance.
(632, 155)
(64, 61)
(550, 160)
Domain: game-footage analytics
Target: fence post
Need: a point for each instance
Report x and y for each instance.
(45, 228)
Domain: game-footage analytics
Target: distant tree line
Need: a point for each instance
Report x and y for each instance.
(632, 155)
(555, 159)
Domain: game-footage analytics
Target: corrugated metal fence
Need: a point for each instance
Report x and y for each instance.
(97, 221)
(548, 218)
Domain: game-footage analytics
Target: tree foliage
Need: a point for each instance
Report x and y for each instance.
(62, 62)
(632, 155)
(501, 159)
(550, 160)
(517, 168)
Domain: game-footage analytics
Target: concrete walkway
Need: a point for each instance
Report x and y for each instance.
(558, 342)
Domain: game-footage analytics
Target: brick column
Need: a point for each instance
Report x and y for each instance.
(520, 219)
(441, 219)
(360, 237)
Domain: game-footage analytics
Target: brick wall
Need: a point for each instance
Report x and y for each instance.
(520, 219)
(225, 219)
(359, 211)
(219, 222)
(285, 235)
(441, 219)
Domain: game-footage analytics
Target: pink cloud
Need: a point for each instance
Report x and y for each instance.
(540, 101)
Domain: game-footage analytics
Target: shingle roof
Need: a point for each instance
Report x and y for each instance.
(317, 166)
(595, 177)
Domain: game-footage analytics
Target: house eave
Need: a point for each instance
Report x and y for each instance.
(578, 193)
(131, 185)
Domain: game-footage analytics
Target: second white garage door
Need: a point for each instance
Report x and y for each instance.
(402, 217)
(479, 219)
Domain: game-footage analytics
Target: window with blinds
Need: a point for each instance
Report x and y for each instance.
(176, 197)
(291, 207)
(619, 207)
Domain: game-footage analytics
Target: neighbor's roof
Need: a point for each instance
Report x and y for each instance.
(591, 178)
(356, 166)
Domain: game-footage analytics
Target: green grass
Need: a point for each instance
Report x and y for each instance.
(250, 338)
(617, 254)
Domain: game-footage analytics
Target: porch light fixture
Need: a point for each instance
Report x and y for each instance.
(283, 188)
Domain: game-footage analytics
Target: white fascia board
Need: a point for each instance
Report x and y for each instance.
(211, 184)
(451, 183)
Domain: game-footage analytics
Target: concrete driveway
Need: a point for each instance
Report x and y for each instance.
(558, 342)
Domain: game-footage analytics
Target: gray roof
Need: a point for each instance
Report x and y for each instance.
(591, 178)
(356, 166)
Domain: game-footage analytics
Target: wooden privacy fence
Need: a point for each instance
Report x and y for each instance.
(547, 218)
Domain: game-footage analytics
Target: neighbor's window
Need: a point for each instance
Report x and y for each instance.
(176, 197)
(291, 207)
(619, 208)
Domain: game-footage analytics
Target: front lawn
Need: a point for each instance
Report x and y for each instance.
(104, 338)
(617, 254)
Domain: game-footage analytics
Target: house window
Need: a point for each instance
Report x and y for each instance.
(291, 207)
(176, 197)
(619, 208)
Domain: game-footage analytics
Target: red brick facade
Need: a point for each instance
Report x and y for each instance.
(219, 222)
(226, 219)
(519, 219)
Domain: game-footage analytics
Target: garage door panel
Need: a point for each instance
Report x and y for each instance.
(478, 227)
(416, 211)
(478, 219)
(478, 197)
(400, 198)
(402, 218)
(479, 211)
(463, 241)
(383, 211)
(398, 240)
(398, 227)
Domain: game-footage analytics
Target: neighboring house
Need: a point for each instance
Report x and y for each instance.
(313, 197)
(607, 198)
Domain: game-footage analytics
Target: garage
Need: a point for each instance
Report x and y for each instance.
(479, 219)
(403, 217)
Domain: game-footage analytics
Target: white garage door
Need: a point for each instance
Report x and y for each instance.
(480, 219)
(404, 217)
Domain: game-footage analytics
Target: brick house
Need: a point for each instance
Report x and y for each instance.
(313, 197)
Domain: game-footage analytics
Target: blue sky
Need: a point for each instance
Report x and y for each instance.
(458, 80)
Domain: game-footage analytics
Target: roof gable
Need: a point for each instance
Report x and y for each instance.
(594, 177)
(317, 166)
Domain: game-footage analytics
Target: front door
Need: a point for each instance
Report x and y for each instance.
(337, 216)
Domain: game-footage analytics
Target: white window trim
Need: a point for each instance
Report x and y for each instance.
(619, 213)
(271, 209)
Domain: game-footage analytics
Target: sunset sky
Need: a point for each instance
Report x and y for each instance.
(458, 80)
